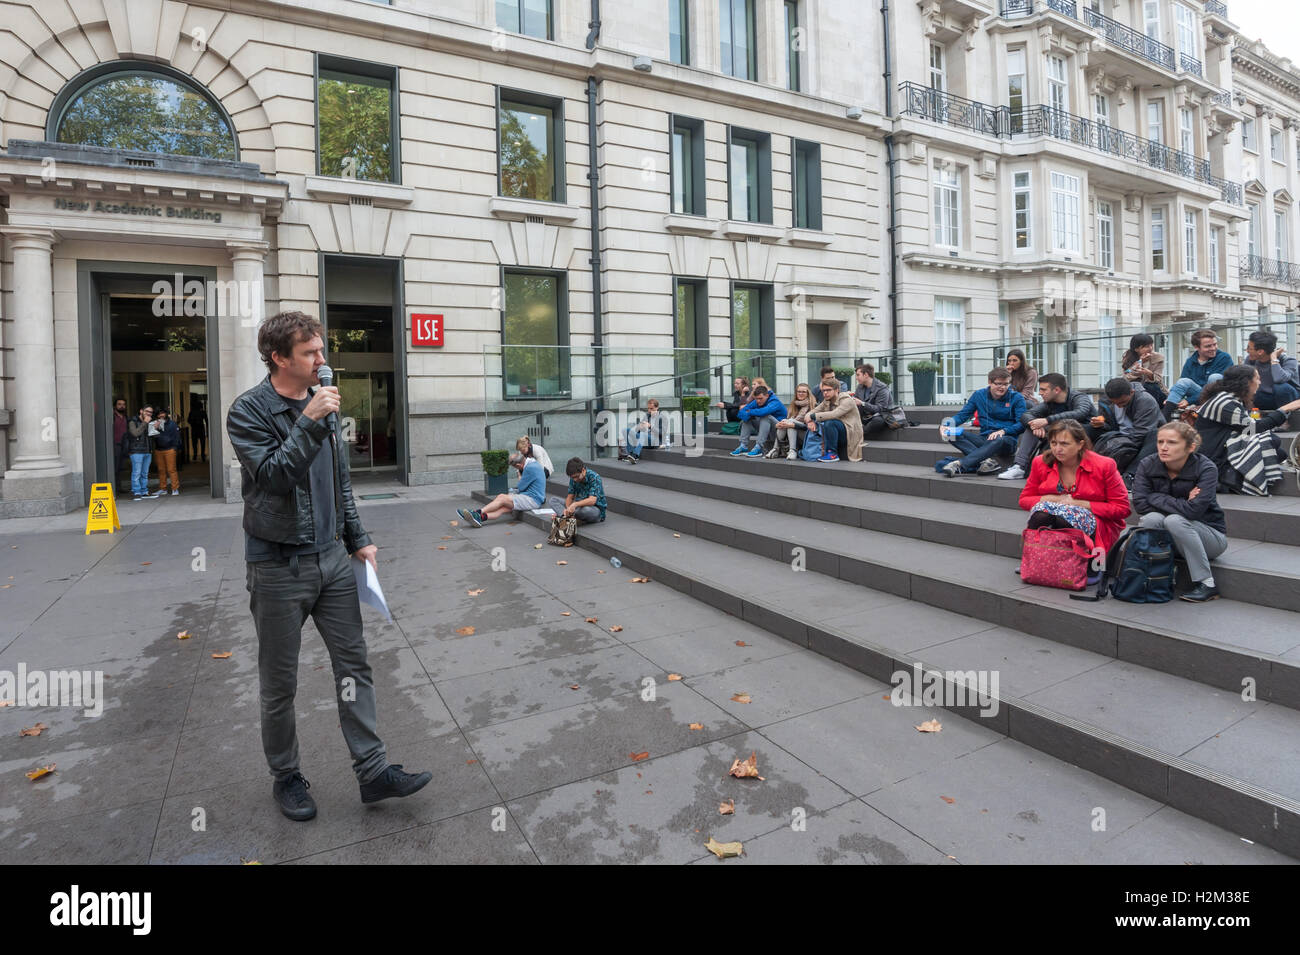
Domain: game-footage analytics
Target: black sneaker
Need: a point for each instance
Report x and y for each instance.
(1200, 594)
(393, 782)
(292, 797)
(631, 458)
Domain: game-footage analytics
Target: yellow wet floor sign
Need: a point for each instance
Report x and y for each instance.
(102, 513)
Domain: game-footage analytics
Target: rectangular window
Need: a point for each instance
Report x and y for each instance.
(691, 334)
(1156, 121)
(1105, 235)
(679, 31)
(1252, 230)
(1275, 145)
(938, 68)
(1185, 127)
(1066, 230)
(356, 120)
(806, 169)
(749, 173)
(1158, 240)
(529, 17)
(1186, 23)
(949, 332)
(753, 331)
(1058, 88)
(793, 45)
(1214, 256)
(531, 148)
(535, 335)
(1279, 236)
(1107, 363)
(1151, 18)
(1248, 135)
(1190, 241)
(738, 49)
(687, 166)
(1022, 207)
(947, 205)
(1016, 91)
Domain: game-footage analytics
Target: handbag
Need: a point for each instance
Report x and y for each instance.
(814, 446)
(1055, 558)
(564, 531)
(895, 418)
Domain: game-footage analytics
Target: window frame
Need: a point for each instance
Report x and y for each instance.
(1276, 150)
(1281, 239)
(952, 367)
(558, 165)
(941, 71)
(1147, 19)
(1249, 142)
(751, 61)
(938, 171)
(1213, 254)
(1159, 247)
(561, 326)
(1062, 215)
(793, 61)
(1191, 241)
(699, 192)
(1187, 130)
(814, 210)
(699, 290)
(550, 20)
(1185, 18)
(1020, 56)
(683, 8)
(1252, 229)
(763, 143)
(766, 322)
(1027, 192)
(1106, 237)
(364, 68)
(1057, 84)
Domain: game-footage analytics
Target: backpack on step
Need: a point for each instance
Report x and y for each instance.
(564, 531)
(813, 446)
(1139, 568)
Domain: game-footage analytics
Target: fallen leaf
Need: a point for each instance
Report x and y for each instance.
(7, 703)
(537, 547)
(948, 799)
(38, 773)
(649, 792)
(639, 580)
(573, 686)
(561, 563)
(455, 523)
(222, 656)
(243, 861)
(183, 635)
(146, 563)
(724, 850)
(442, 547)
(470, 762)
(727, 807)
(6, 586)
(930, 726)
(591, 620)
(747, 769)
(741, 698)
(637, 757)
(33, 730)
(677, 535)
(885, 697)
(475, 592)
(465, 631)
(616, 629)
(566, 613)
(697, 726)
(600, 571)
(741, 643)
(674, 676)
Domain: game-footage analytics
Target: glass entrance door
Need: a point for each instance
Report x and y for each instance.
(368, 419)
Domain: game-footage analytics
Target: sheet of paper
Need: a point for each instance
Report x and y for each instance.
(368, 589)
(543, 512)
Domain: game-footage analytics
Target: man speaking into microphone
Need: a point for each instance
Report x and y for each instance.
(300, 526)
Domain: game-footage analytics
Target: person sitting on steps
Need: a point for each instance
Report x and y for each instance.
(653, 431)
(1142, 365)
(1279, 374)
(1203, 366)
(739, 398)
(874, 399)
(1000, 410)
(759, 417)
(791, 429)
(1024, 379)
(1176, 489)
(1058, 403)
(839, 422)
(585, 499)
(1124, 428)
(1244, 449)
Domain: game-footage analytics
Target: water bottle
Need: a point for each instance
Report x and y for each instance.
(615, 563)
(953, 432)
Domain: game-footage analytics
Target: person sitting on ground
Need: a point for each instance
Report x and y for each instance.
(527, 496)
(1244, 449)
(1000, 410)
(837, 418)
(1203, 366)
(1279, 374)
(586, 497)
(829, 372)
(759, 417)
(535, 451)
(1070, 485)
(1176, 489)
(739, 398)
(874, 399)
(791, 429)
(1142, 365)
(653, 431)
(1058, 403)
(1024, 379)
(1124, 428)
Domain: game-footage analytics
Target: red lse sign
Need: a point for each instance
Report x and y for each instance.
(426, 329)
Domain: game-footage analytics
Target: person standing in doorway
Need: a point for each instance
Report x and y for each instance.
(119, 443)
(300, 526)
(165, 445)
(198, 422)
(139, 445)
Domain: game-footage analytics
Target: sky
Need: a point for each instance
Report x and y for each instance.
(1276, 22)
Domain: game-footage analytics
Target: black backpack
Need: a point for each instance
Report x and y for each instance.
(1139, 568)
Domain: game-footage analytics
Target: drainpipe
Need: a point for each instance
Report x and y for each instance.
(892, 202)
(597, 318)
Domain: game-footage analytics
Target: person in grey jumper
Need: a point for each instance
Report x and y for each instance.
(1059, 404)
(1124, 428)
(1279, 374)
(874, 401)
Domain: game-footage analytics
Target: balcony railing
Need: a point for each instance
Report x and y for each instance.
(1016, 8)
(1004, 122)
(1216, 9)
(1221, 98)
(1064, 6)
(1189, 64)
(1270, 270)
(1126, 38)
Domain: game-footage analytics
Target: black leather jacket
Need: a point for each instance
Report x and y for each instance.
(275, 445)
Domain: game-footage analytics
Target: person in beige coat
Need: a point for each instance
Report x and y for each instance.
(840, 412)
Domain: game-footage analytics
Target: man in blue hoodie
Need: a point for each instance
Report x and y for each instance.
(528, 494)
(759, 417)
(1203, 366)
(999, 409)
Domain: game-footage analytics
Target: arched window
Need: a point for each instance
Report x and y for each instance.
(144, 108)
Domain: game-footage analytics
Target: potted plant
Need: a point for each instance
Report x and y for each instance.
(885, 378)
(923, 373)
(495, 466)
(695, 412)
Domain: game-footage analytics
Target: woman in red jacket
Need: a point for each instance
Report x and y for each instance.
(1070, 485)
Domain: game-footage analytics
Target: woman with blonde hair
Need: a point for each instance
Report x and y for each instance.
(538, 453)
(792, 429)
(1175, 489)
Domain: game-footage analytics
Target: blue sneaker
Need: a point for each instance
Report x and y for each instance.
(829, 457)
(469, 516)
(755, 452)
(739, 451)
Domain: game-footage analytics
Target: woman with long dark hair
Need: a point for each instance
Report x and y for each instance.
(1071, 485)
(1023, 378)
(1143, 365)
(1244, 449)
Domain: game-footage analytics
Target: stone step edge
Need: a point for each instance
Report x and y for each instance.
(1267, 817)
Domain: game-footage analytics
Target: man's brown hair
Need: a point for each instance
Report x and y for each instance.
(281, 332)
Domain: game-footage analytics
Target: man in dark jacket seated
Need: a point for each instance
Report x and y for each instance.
(1124, 428)
(1059, 404)
(874, 401)
(1279, 374)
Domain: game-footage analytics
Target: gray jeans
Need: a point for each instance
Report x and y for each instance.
(325, 590)
(1197, 543)
(765, 428)
(585, 515)
(1027, 446)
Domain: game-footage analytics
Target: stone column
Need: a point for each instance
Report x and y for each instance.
(242, 313)
(36, 470)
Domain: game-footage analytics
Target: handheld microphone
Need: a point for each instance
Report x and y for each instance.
(325, 374)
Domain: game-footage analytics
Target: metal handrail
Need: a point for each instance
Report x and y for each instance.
(1126, 38)
(1215, 8)
(1272, 270)
(942, 107)
(1221, 98)
(1189, 64)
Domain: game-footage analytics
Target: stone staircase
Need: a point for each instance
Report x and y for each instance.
(901, 567)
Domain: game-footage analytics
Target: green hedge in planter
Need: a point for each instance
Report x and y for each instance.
(885, 377)
(844, 374)
(495, 463)
(916, 366)
(695, 404)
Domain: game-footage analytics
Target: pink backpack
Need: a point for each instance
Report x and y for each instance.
(1055, 558)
